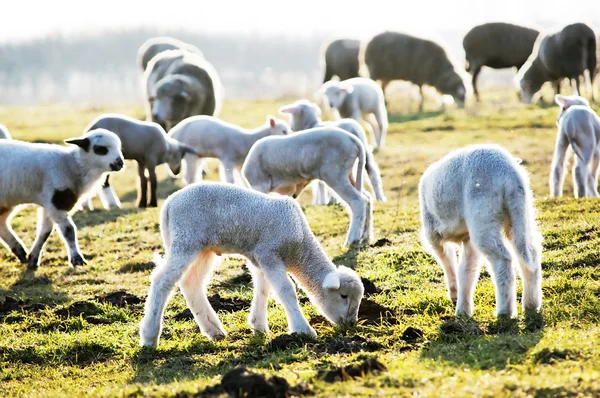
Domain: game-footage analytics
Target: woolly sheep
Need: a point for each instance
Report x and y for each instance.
(479, 197)
(156, 45)
(147, 144)
(203, 221)
(4, 132)
(579, 127)
(497, 45)
(397, 56)
(179, 84)
(286, 164)
(305, 115)
(359, 98)
(27, 178)
(211, 137)
(340, 59)
(563, 54)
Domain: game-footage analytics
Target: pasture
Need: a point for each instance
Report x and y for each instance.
(74, 332)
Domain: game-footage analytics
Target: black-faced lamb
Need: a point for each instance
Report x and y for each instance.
(213, 138)
(567, 53)
(479, 198)
(578, 127)
(397, 56)
(55, 178)
(287, 164)
(497, 45)
(156, 45)
(179, 84)
(203, 221)
(359, 99)
(147, 144)
(340, 59)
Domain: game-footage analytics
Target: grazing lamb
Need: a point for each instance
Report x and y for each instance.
(213, 138)
(579, 127)
(55, 178)
(179, 84)
(563, 54)
(286, 164)
(340, 59)
(156, 45)
(4, 132)
(479, 197)
(497, 45)
(397, 56)
(305, 115)
(203, 221)
(147, 144)
(356, 99)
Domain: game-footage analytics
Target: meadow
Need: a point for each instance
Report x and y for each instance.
(74, 332)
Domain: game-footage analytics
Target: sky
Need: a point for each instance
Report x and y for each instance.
(27, 19)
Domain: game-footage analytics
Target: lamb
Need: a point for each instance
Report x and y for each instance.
(147, 144)
(179, 84)
(27, 178)
(396, 56)
(4, 132)
(156, 45)
(305, 115)
(203, 221)
(479, 197)
(359, 98)
(211, 137)
(567, 53)
(497, 45)
(286, 164)
(340, 58)
(579, 127)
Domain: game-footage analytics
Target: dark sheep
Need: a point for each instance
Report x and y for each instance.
(398, 56)
(180, 84)
(567, 53)
(156, 45)
(497, 45)
(340, 59)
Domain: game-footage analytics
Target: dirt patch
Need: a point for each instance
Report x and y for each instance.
(9, 304)
(372, 313)
(350, 372)
(382, 242)
(240, 382)
(219, 304)
(439, 128)
(411, 335)
(548, 356)
(347, 345)
(285, 341)
(119, 299)
(370, 287)
(458, 326)
(79, 308)
(36, 280)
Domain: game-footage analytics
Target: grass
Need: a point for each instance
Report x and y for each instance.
(65, 332)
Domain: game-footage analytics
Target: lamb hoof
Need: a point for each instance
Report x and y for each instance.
(153, 204)
(20, 253)
(33, 262)
(217, 336)
(308, 331)
(78, 261)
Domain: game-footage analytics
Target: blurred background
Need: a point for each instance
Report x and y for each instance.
(84, 53)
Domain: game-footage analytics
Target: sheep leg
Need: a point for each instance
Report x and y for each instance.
(285, 291)
(44, 229)
(316, 193)
(143, 198)
(476, 71)
(226, 169)
(580, 175)
(107, 195)
(8, 236)
(532, 283)
(468, 274)
(367, 235)
(90, 205)
(153, 186)
(356, 202)
(594, 172)
(445, 256)
(384, 84)
(68, 232)
(557, 173)
(190, 167)
(422, 99)
(193, 288)
(382, 121)
(575, 85)
(258, 310)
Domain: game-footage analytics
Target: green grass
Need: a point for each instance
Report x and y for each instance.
(67, 339)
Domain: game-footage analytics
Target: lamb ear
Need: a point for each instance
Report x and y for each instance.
(271, 121)
(560, 100)
(291, 109)
(347, 88)
(332, 281)
(83, 143)
(185, 149)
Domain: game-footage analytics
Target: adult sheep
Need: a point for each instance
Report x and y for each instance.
(497, 45)
(156, 45)
(179, 84)
(340, 59)
(398, 56)
(563, 54)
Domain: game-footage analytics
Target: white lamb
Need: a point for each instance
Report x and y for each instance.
(479, 198)
(359, 98)
(214, 138)
(55, 178)
(203, 221)
(579, 127)
(305, 115)
(286, 164)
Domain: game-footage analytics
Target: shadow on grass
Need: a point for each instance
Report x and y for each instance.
(29, 285)
(465, 342)
(96, 217)
(402, 118)
(131, 268)
(165, 187)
